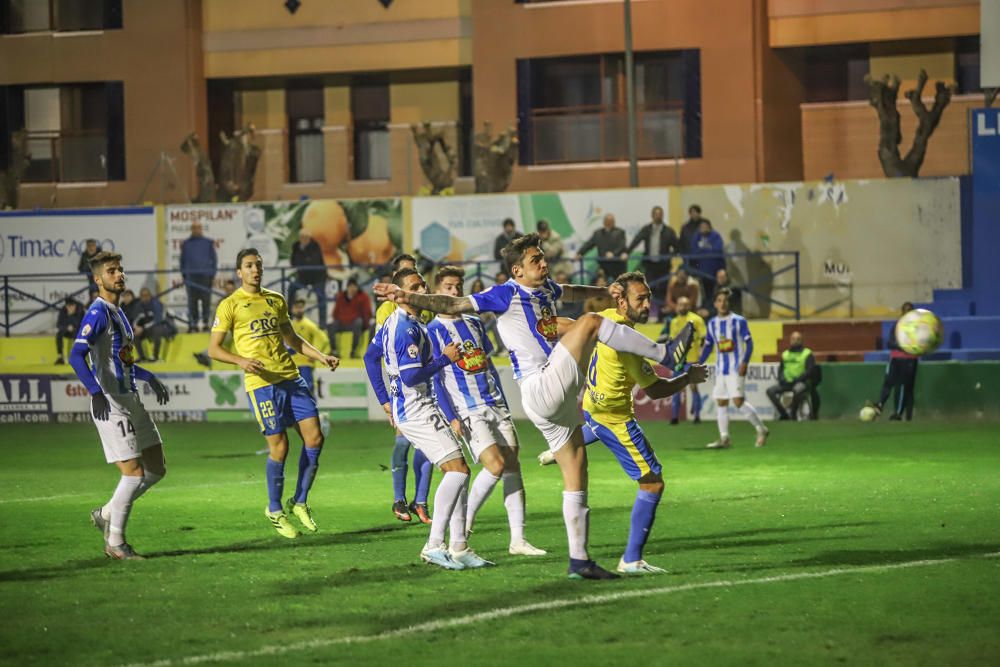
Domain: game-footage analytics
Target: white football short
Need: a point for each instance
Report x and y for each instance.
(430, 432)
(128, 429)
(489, 425)
(728, 386)
(550, 396)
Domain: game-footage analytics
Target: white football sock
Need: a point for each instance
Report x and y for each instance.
(626, 339)
(513, 500)
(121, 504)
(722, 416)
(576, 515)
(751, 414)
(445, 498)
(482, 487)
(148, 480)
(456, 525)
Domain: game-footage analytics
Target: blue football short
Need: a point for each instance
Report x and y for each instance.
(629, 445)
(280, 406)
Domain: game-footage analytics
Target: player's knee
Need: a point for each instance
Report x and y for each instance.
(314, 441)
(652, 484)
(495, 465)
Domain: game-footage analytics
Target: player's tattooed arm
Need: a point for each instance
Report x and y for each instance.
(219, 353)
(302, 346)
(583, 292)
(436, 303)
(665, 387)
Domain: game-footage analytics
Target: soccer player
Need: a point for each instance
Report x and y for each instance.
(610, 413)
(128, 434)
(729, 334)
(549, 357)
(405, 346)
(472, 399)
(900, 374)
(422, 468)
(279, 397)
(685, 315)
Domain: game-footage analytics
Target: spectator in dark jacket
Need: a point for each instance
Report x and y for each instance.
(83, 266)
(508, 235)
(690, 228)
(307, 257)
(149, 323)
(199, 265)
(660, 242)
(611, 245)
(707, 258)
(351, 312)
(722, 279)
(67, 324)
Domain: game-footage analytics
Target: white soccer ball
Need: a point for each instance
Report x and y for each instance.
(867, 414)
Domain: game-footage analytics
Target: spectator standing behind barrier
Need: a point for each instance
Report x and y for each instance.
(90, 248)
(682, 285)
(611, 244)
(707, 258)
(199, 264)
(799, 374)
(127, 303)
(689, 229)
(227, 343)
(722, 279)
(352, 312)
(149, 323)
(900, 374)
(307, 257)
(508, 235)
(660, 243)
(552, 246)
(67, 324)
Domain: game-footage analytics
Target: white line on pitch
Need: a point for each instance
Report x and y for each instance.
(504, 612)
(41, 499)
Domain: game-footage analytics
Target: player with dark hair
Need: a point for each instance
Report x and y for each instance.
(472, 399)
(130, 438)
(729, 334)
(550, 357)
(423, 470)
(610, 412)
(278, 395)
(409, 403)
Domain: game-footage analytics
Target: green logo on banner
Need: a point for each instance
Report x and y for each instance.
(225, 387)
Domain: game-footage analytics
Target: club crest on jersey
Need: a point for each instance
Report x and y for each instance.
(273, 303)
(725, 345)
(127, 354)
(547, 326)
(473, 358)
(412, 351)
(85, 330)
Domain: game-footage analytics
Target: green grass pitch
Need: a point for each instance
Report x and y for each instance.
(837, 543)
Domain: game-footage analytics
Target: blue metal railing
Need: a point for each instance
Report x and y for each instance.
(584, 271)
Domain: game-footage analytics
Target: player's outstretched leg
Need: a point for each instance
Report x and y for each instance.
(399, 457)
(310, 430)
(423, 472)
(581, 337)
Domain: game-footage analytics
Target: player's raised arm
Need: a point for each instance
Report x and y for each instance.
(302, 346)
(436, 303)
(584, 292)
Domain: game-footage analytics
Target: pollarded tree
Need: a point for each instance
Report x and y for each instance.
(882, 95)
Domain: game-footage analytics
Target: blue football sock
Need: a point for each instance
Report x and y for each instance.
(675, 405)
(423, 469)
(643, 514)
(695, 402)
(399, 452)
(275, 474)
(308, 465)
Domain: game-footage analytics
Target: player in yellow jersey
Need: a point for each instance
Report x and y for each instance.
(685, 315)
(278, 396)
(422, 467)
(609, 411)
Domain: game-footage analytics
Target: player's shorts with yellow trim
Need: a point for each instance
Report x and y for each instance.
(280, 406)
(628, 443)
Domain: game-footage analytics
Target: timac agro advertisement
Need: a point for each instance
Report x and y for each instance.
(350, 233)
(40, 252)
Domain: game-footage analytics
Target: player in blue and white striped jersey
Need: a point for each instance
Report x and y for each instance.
(404, 345)
(472, 399)
(128, 434)
(729, 335)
